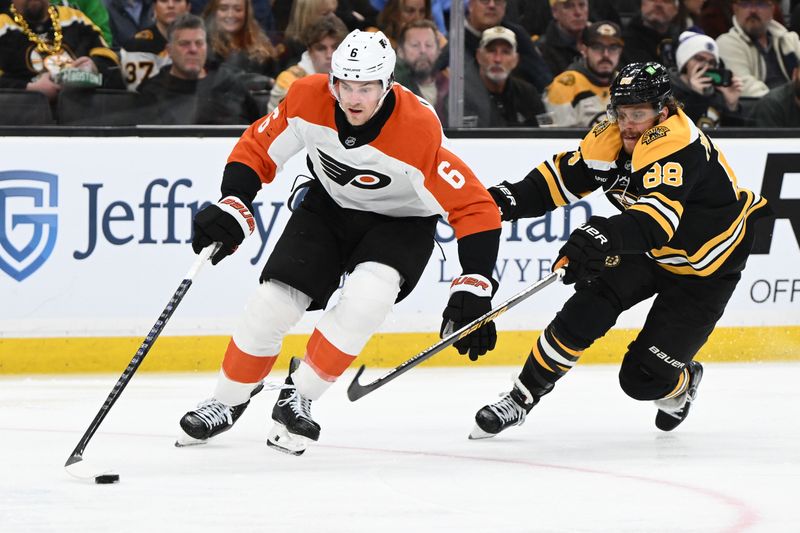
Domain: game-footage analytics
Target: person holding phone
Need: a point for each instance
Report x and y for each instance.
(710, 94)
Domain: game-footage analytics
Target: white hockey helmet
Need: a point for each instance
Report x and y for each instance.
(363, 56)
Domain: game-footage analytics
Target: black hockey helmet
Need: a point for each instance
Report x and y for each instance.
(641, 83)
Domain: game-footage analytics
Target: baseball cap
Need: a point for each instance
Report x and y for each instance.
(691, 43)
(498, 33)
(604, 29)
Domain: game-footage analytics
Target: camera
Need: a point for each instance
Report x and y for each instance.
(719, 77)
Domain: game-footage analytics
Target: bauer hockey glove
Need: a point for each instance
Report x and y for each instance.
(228, 222)
(470, 297)
(588, 249)
(503, 196)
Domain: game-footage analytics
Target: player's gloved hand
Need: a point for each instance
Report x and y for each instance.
(228, 222)
(587, 250)
(503, 195)
(470, 297)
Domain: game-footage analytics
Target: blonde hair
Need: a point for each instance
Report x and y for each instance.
(250, 39)
(303, 14)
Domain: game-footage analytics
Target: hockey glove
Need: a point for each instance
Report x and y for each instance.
(228, 222)
(588, 249)
(503, 196)
(470, 297)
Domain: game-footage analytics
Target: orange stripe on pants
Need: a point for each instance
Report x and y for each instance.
(245, 368)
(327, 360)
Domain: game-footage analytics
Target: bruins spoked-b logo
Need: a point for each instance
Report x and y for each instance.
(347, 175)
(28, 220)
(654, 133)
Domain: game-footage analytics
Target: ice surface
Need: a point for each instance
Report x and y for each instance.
(587, 459)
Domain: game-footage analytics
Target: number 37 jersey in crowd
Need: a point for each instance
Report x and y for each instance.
(394, 165)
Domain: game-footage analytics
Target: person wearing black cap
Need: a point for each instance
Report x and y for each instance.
(578, 97)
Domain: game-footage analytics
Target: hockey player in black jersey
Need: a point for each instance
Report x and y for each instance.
(684, 233)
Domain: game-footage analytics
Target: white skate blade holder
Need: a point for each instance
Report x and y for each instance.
(477, 433)
(185, 440)
(281, 440)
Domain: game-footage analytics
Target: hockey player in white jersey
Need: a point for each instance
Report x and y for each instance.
(382, 179)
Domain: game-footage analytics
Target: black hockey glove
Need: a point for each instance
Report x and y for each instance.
(470, 297)
(228, 222)
(588, 249)
(503, 196)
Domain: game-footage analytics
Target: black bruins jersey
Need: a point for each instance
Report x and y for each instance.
(20, 61)
(679, 197)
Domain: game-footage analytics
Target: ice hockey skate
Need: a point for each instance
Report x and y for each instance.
(294, 428)
(511, 410)
(211, 418)
(673, 411)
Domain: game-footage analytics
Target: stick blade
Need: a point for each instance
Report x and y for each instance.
(86, 472)
(356, 390)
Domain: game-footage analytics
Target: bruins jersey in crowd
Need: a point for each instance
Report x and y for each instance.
(21, 60)
(144, 57)
(576, 98)
(679, 197)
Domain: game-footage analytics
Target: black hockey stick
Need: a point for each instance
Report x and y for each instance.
(356, 390)
(127, 374)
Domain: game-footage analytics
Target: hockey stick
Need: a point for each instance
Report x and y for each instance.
(127, 374)
(357, 390)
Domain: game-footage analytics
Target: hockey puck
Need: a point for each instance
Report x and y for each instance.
(106, 479)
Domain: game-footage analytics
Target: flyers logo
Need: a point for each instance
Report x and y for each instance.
(28, 221)
(347, 175)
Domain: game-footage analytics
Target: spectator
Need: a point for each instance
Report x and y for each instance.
(94, 9)
(707, 104)
(153, 38)
(559, 45)
(321, 39)
(501, 101)
(303, 14)
(579, 96)
(147, 53)
(187, 92)
(440, 12)
(649, 35)
(758, 49)
(485, 14)
(398, 13)
(262, 11)
(780, 108)
(40, 44)
(128, 17)
(535, 15)
(690, 15)
(417, 50)
(236, 40)
(715, 17)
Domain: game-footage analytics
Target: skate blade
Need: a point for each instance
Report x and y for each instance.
(281, 440)
(185, 440)
(477, 433)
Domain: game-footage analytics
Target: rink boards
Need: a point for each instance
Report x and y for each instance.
(94, 239)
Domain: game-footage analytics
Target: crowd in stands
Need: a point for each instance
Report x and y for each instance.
(527, 63)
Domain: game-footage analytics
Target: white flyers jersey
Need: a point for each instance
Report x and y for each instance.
(403, 171)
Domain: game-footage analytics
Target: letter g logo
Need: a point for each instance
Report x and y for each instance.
(28, 221)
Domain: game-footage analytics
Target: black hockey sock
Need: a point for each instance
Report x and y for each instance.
(547, 362)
